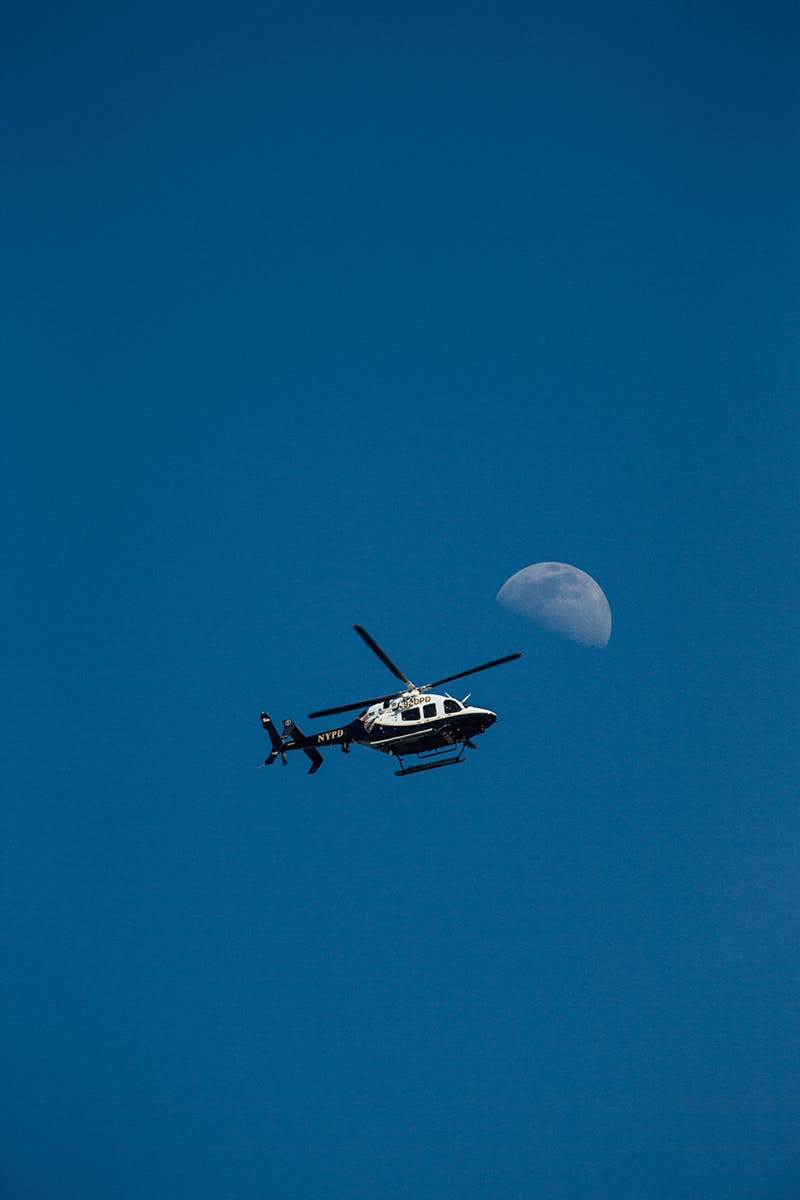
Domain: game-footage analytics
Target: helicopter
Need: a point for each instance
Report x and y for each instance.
(436, 729)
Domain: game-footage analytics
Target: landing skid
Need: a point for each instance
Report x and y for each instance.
(435, 760)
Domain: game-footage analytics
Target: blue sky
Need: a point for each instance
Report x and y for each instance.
(321, 317)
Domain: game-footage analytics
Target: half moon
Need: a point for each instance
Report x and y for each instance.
(562, 599)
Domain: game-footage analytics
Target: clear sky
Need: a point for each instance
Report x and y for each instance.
(315, 315)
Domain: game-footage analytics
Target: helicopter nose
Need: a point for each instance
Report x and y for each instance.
(489, 718)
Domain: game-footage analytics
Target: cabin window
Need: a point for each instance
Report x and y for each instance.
(429, 710)
(410, 714)
(452, 706)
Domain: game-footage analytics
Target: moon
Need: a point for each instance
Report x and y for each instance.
(562, 599)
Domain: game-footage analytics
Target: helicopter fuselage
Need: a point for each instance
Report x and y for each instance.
(410, 724)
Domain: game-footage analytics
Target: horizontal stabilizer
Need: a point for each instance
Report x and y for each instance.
(300, 743)
(315, 757)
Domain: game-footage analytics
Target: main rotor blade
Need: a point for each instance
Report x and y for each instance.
(474, 670)
(342, 708)
(387, 662)
(330, 712)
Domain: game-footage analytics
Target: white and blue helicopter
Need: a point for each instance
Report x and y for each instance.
(436, 729)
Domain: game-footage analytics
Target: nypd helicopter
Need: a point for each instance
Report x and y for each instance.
(435, 729)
